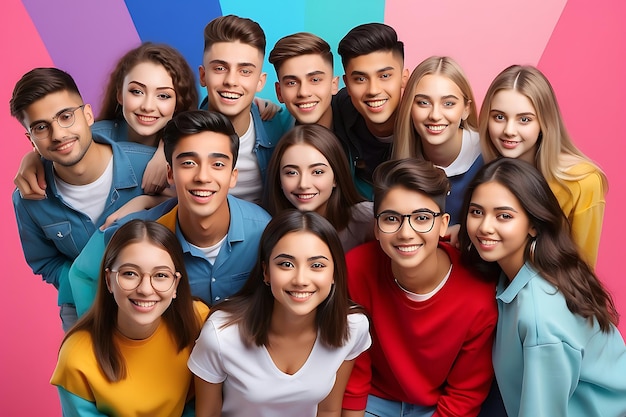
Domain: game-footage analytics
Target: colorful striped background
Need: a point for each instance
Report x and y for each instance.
(579, 44)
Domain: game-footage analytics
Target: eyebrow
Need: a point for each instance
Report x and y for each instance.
(355, 72)
(36, 122)
(317, 164)
(507, 208)
(308, 74)
(291, 257)
(227, 64)
(144, 86)
(518, 114)
(443, 97)
(191, 154)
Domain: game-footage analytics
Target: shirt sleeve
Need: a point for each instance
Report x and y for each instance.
(205, 360)
(586, 220)
(74, 406)
(360, 335)
(359, 384)
(85, 271)
(550, 377)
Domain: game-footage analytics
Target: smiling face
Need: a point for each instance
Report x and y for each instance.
(65, 147)
(148, 101)
(437, 111)
(232, 74)
(140, 310)
(306, 85)
(306, 178)
(202, 172)
(374, 83)
(513, 125)
(407, 248)
(498, 227)
(300, 272)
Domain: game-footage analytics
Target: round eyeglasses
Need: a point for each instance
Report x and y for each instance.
(129, 278)
(66, 118)
(422, 220)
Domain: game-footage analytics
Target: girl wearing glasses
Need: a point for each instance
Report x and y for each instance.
(309, 171)
(557, 351)
(148, 86)
(127, 355)
(437, 121)
(432, 319)
(520, 118)
(285, 344)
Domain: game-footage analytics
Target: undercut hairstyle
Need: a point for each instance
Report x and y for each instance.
(100, 321)
(554, 140)
(344, 195)
(233, 28)
(556, 255)
(298, 44)
(368, 38)
(177, 67)
(37, 84)
(407, 142)
(192, 122)
(411, 174)
(251, 308)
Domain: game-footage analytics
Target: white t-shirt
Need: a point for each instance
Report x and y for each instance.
(249, 185)
(252, 384)
(91, 198)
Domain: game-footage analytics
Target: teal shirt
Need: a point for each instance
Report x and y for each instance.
(551, 362)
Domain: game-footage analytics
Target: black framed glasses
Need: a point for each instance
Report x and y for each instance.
(129, 278)
(422, 220)
(65, 119)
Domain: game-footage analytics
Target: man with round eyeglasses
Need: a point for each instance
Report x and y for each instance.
(87, 178)
(432, 319)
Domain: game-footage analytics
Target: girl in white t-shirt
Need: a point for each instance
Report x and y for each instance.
(285, 344)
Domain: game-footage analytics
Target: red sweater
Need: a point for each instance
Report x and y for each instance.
(431, 353)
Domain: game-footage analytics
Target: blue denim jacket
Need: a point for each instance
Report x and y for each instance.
(52, 233)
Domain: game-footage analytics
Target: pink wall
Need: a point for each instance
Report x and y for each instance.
(580, 48)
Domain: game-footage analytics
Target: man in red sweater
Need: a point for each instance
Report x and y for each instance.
(432, 320)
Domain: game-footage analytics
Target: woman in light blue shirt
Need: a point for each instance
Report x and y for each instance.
(557, 350)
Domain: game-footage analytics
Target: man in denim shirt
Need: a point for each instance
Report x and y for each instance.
(87, 178)
(219, 233)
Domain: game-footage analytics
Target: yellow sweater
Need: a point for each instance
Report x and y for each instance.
(157, 382)
(583, 203)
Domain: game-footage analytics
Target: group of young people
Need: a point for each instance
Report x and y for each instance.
(380, 250)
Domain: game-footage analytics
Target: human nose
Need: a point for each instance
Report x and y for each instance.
(203, 173)
(303, 90)
(486, 225)
(230, 78)
(509, 128)
(148, 103)
(305, 181)
(373, 87)
(145, 284)
(405, 230)
(300, 277)
(435, 112)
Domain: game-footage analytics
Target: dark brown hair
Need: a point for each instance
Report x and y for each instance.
(298, 44)
(344, 195)
(251, 308)
(556, 255)
(182, 75)
(233, 28)
(369, 38)
(101, 319)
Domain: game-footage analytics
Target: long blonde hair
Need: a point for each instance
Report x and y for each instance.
(554, 140)
(406, 142)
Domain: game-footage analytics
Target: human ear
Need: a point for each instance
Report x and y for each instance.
(443, 228)
(279, 96)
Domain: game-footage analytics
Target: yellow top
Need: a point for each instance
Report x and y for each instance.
(157, 382)
(583, 203)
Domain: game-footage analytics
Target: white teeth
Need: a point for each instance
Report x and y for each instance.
(376, 103)
(65, 146)
(487, 242)
(146, 118)
(144, 303)
(307, 105)
(408, 248)
(510, 142)
(230, 95)
(199, 193)
(305, 196)
(299, 294)
(436, 128)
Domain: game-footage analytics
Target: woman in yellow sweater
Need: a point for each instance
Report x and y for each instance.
(128, 354)
(520, 118)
